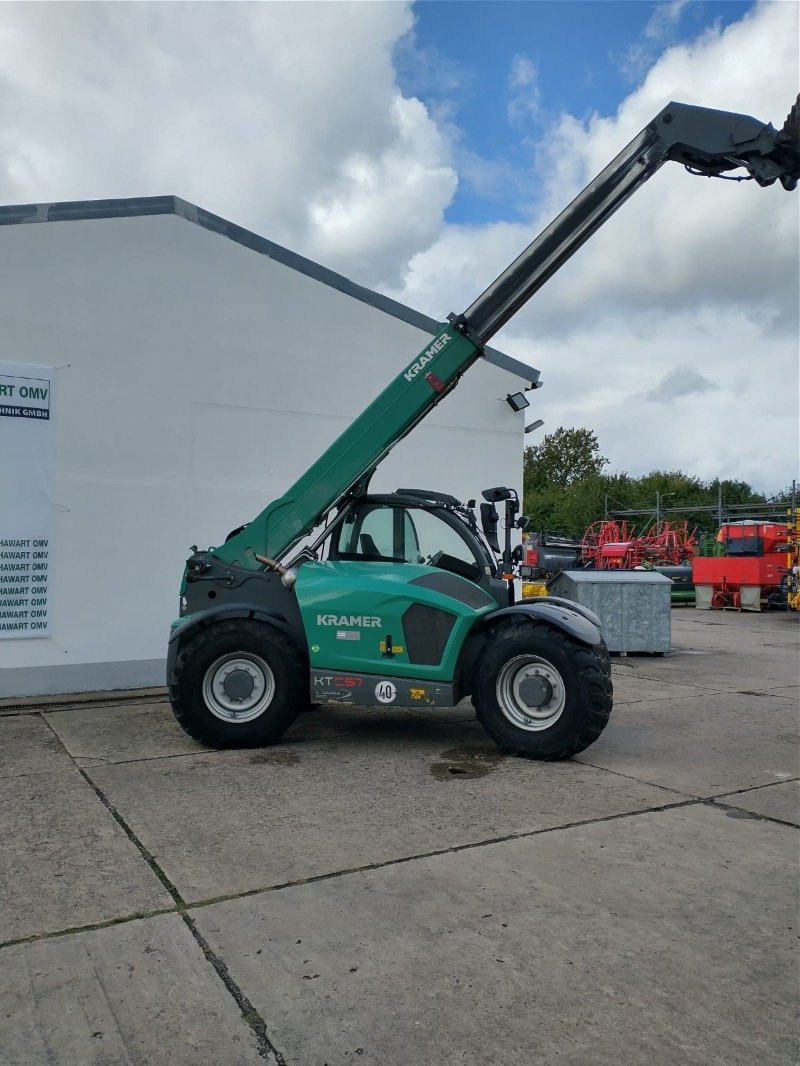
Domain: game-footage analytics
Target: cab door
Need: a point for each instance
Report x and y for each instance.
(396, 595)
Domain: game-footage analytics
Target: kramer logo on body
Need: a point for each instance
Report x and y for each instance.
(427, 356)
(363, 621)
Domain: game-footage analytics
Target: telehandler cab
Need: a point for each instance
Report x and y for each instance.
(403, 599)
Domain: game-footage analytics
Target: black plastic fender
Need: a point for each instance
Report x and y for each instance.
(572, 618)
(569, 604)
(189, 625)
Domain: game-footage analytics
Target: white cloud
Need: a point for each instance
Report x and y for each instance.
(381, 206)
(660, 30)
(283, 117)
(612, 377)
(665, 18)
(680, 382)
(525, 103)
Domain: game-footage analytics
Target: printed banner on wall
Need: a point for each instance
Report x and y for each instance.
(26, 493)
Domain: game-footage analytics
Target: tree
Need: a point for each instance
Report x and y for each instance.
(566, 489)
(562, 458)
(562, 480)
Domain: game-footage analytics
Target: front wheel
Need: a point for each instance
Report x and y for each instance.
(540, 694)
(239, 683)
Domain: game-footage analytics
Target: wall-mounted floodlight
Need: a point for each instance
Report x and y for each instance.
(517, 401)
(534, 425)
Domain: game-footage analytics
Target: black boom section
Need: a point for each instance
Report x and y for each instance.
(426, 631)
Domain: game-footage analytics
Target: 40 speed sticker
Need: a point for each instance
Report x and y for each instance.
(385, 692)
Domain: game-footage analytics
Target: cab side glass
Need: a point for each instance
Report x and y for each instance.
(441, 546)
(379, 533)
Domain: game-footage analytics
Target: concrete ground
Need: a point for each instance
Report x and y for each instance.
(387, 887)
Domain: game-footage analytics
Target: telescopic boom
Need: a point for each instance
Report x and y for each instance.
(707, 142)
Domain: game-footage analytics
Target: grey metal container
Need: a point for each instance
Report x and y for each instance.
(633, 606)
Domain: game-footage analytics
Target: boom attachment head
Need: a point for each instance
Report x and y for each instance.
(709, 145)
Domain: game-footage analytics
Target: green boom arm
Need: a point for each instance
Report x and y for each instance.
(707, 142)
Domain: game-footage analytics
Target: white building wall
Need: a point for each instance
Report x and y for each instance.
(196, 380)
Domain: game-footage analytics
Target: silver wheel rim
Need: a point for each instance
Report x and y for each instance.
(238, 687)
(531, 693)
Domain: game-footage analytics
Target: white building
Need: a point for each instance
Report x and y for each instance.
(198, 370)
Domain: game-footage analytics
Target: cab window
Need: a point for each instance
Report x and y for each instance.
(404, 535)
(441, 545)
(381, 533)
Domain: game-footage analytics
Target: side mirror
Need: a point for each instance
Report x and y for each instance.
(489, 520)
(523, 522)
(497, 494)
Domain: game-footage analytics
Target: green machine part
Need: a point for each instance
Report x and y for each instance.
(382, 637)
(682, 596)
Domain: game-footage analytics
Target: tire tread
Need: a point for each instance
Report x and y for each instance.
(593, 668)
(266, 729)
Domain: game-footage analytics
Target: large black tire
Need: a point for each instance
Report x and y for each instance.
(534, 662)
(209, 685)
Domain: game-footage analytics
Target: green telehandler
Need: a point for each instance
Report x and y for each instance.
(335, 595)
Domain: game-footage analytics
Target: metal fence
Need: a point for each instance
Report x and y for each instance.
(665, 506)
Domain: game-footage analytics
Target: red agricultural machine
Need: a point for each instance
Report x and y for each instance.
(612, 545)
(750, 574)
(791, 578)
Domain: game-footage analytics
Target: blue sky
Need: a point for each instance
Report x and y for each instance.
(575, 56)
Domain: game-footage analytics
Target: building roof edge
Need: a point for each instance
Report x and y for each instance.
(80, 210)
(131, 207)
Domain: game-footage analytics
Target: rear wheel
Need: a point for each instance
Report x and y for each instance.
(237, 684)
(539, 693)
